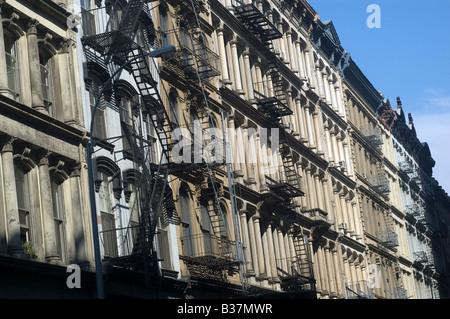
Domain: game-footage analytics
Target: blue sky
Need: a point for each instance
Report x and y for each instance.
(408, 56)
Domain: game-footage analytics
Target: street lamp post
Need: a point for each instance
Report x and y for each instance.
(90, 150)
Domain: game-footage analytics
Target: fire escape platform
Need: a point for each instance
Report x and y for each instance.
(272, 106)
(283, 190)
(256, 22)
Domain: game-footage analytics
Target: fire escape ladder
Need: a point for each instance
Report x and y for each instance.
(274, 102)
(301, 275)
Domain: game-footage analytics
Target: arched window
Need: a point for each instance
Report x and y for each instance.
(99, 124)
(45, 66)
(224, 225)
(206, 228)
(12, 67)
(58, 215)
(105, 195)
(23, 203)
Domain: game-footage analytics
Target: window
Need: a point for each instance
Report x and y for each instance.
(173, 104)
(134, 213)
(99, 125)
(58, 215)
(107, 216)
(46, 82)
(206, 227)
(164, 26)
(23, 204)
(11, 65)
(185, 212)
(151, 140)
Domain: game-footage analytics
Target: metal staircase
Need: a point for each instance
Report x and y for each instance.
(115, 49)
(274, 103)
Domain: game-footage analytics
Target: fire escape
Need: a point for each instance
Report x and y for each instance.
(273, 104)
(124, 42)
(215, 256)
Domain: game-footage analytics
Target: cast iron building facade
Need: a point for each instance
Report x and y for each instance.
(256, 160)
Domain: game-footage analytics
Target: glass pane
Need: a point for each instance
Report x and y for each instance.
(109, 235)
(21, 187)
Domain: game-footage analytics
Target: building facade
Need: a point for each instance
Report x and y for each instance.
(44, 216)
(237, 151)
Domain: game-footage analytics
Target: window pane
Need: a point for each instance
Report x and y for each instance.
(109, 235)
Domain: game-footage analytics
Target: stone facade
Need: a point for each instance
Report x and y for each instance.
(255, 160)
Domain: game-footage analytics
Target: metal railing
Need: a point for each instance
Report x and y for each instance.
(202, 245)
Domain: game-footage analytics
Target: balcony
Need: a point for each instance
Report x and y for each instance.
(207, 255)
(372, 136)
(295, 274)
(387, 238)
(192, 55)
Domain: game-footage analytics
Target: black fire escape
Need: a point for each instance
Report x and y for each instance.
(125, 43)
(274, 105)
(211, 254)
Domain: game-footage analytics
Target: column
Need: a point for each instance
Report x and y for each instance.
(341, 148)
(291, 52)
(232, 142)
(237, 72)
(261, 162)
(338, 272)
(303, 187)
(308, 67)
(50, 245)
(37, 100)
(77, 216)
(67, 105)
(309, 127)
(250, 173)
(283, 256)
(259, 247)
(330, 271)
(301, 66)
(273, 264)
(322, 269)
(333, 95)
(348, 161)
(350, 218)
(334, 146)
(11, 205)
(340, 106)
(267, 255)
(338, 209)
(4, 87)
(344, 212)
(240, 150)
(318, 132)
(329, 143)
(248, 75)
(356, 216)
(326, 195)
(301, 120)
(254, 250)
(310, 191)
(320, 88)
(223, 57)
(319, 192)
(326, 87)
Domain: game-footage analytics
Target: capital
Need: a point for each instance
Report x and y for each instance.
(32, 26)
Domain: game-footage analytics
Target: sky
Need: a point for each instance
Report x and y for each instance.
(406, 55)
